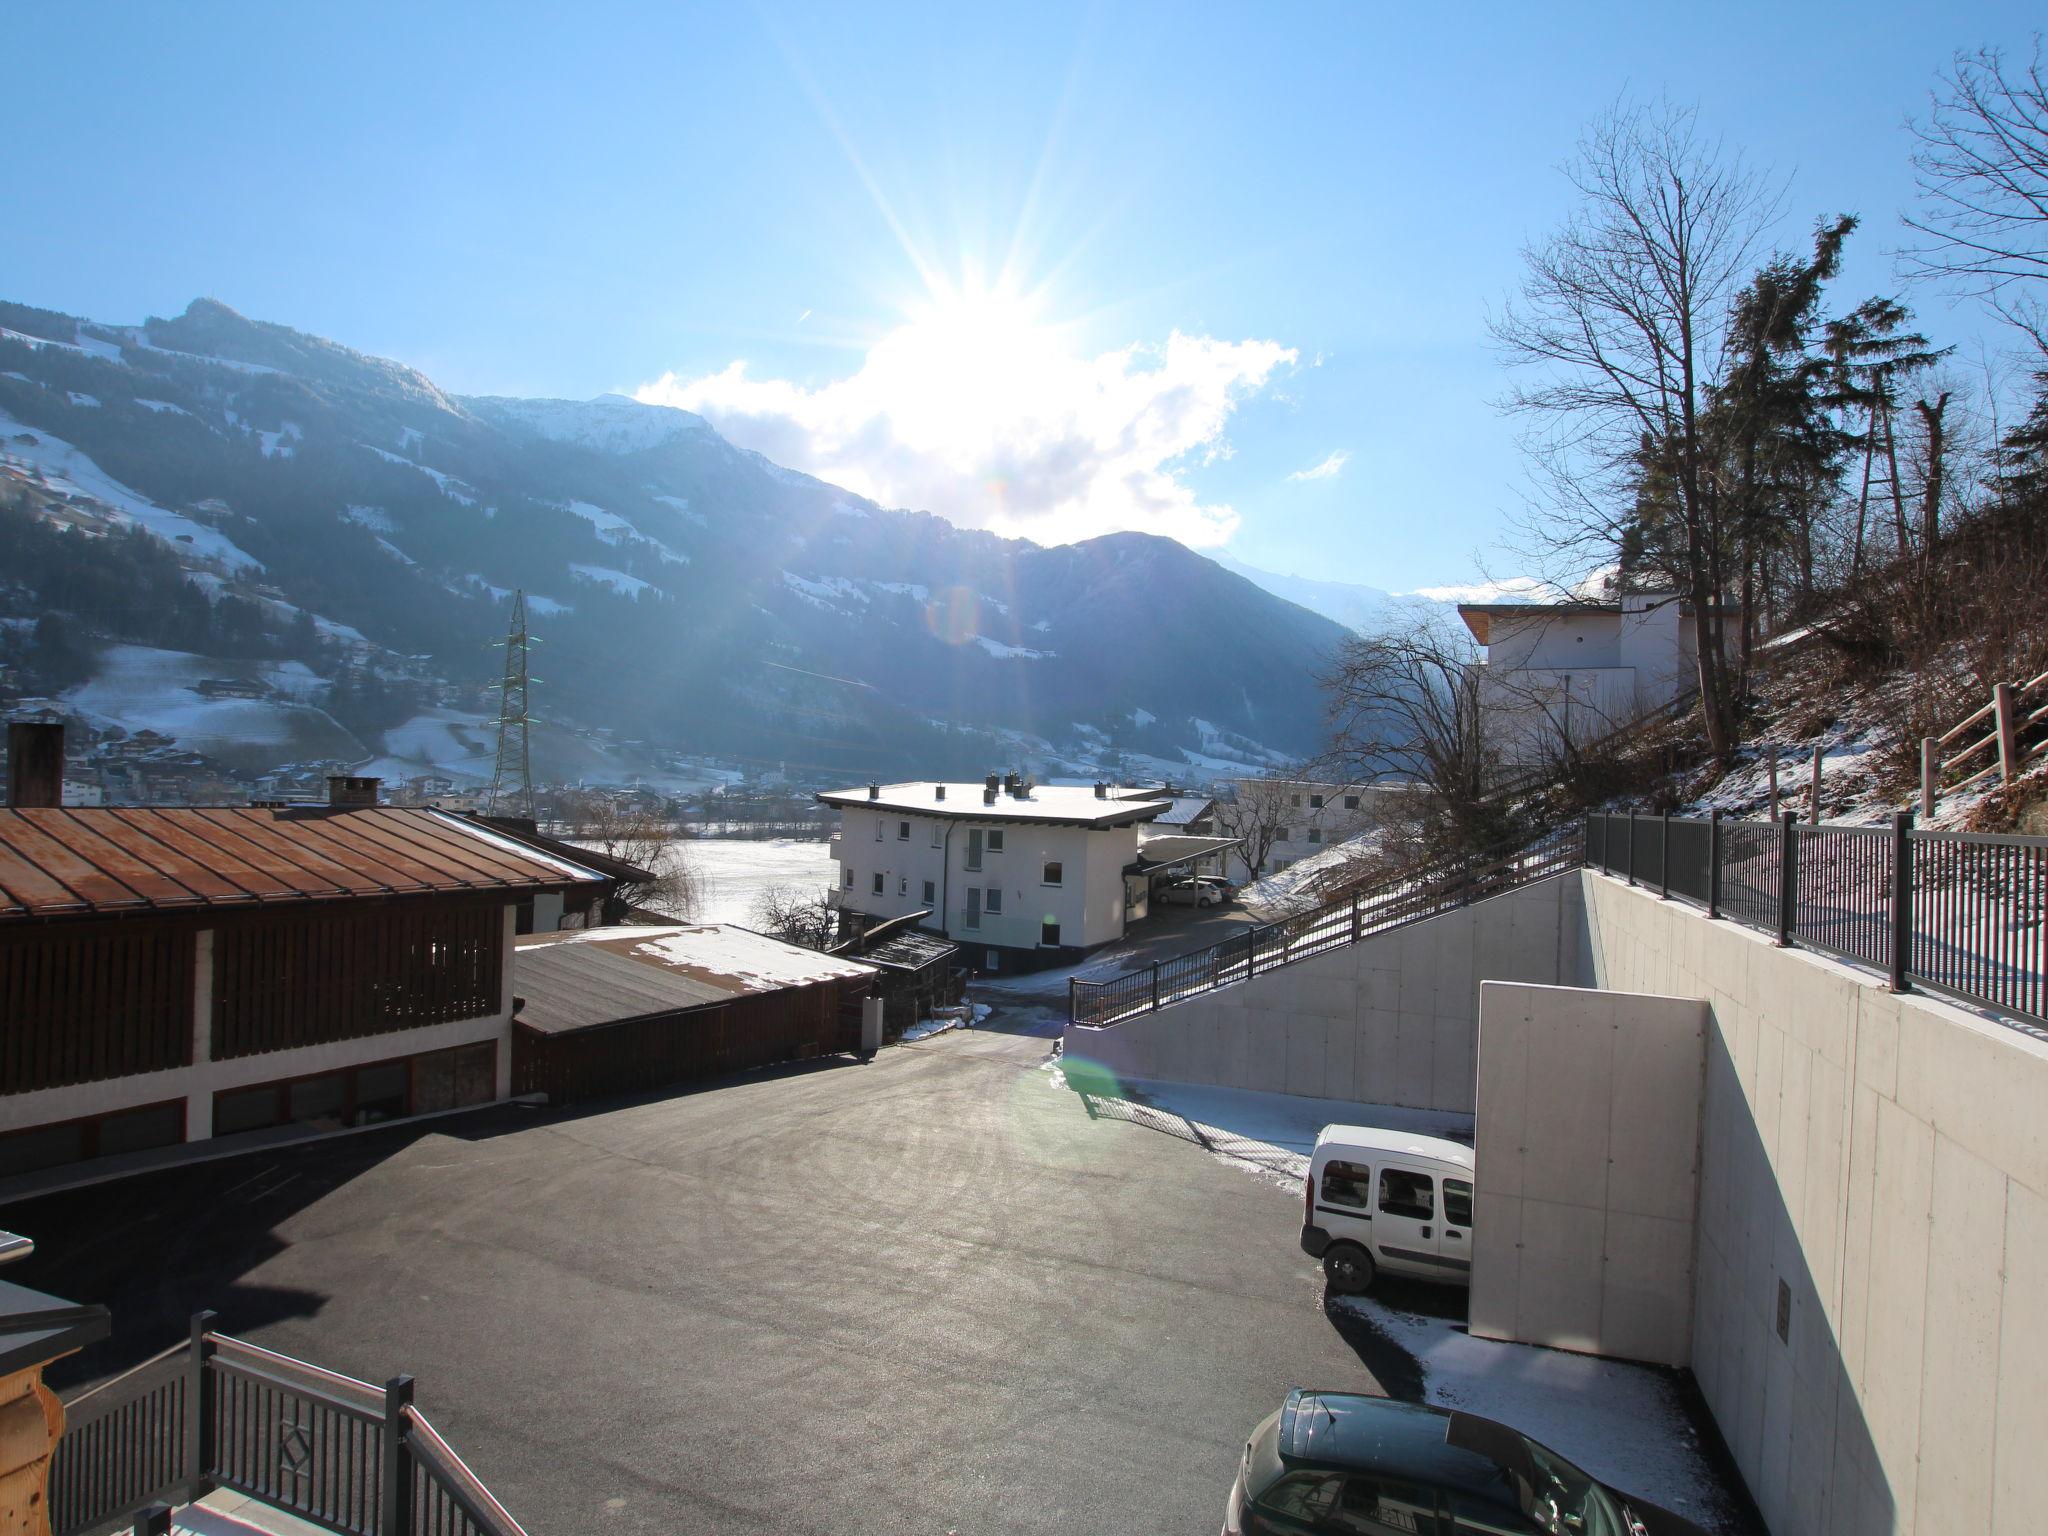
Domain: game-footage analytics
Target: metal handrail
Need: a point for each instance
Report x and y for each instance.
(455, 1478)
(1347, 918)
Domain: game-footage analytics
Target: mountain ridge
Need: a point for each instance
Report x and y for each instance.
(693, 594)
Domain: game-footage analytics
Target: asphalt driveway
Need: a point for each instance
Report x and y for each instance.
(928, 1294)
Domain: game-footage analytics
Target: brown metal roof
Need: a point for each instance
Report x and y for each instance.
(89, 860)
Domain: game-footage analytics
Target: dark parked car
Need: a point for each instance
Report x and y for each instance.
(1368, 1466)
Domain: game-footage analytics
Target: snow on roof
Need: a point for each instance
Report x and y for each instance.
(731, 959)
(964, 802)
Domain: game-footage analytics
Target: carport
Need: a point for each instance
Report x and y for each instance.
(1165, 858)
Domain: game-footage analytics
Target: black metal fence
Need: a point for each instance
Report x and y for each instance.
(217, 1412)
(1961, 913)
(1426, 892)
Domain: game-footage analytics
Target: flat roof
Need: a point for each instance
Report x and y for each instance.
(587, 976)
(84, 861)
(1071, 804)
(1479, 617)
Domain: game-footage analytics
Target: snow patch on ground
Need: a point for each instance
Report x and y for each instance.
(80, 398)
(395, 552)
(821, 593)
(139, 687)
(446, 482)
(546, 607)
(1003, 652)
(67, 470)
(1625, 1424)
(376, 519)
(1294, 889)
(605, 576)
(158, 407)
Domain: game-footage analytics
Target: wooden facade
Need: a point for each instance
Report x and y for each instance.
(98, 1003)
(750, 1031)
(294, 979)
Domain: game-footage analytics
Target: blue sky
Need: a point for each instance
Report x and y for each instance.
(942, 253)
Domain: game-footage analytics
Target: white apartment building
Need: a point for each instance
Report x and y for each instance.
(1307, 816)
(1018, 875)
(1578, 671)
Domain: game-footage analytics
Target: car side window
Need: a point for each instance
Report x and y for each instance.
(1458, 1202)
(1347, 1184)
(1403, 1193)
(1380, 1506)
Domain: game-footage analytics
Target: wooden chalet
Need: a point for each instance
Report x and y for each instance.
(169, 975)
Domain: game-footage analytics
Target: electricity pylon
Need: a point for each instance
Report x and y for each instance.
(512, 779)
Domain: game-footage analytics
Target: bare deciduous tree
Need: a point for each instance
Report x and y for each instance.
(624, 829)
(797, 915)
(1404, 705)
(1982, 165)
(1257, 817)
(1623, 317)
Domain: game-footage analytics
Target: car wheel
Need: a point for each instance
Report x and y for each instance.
(1347, 1269)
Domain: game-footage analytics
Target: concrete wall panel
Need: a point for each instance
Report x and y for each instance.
(1407, 1001)
(1588, 1117)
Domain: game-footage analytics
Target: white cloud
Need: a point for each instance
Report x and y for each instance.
(1329, 469)
(977, 413)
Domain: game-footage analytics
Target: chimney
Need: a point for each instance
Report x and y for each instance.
(35, 763)
(1010, 785)
(1101, 791)
(351, 790)
(874, 791)
(938, 791)
(989, 784)
(988, 795)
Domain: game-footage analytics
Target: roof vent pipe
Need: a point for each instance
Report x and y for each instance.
(874, 791)
(1010, 784)
(1101, 791)
(352, 789)
(938, 791)
(988, 796)
(35, 763)
(989, 784)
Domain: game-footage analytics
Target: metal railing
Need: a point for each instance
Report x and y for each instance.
(1960, 913)
(218, 1412)
(1427, 891)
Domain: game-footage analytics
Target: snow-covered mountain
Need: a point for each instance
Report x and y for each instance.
(249, 494)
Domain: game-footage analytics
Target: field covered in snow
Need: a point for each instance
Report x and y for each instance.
(139, 687)
(732, 873)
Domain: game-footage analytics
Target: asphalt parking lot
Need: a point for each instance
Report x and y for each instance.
(927, 1294)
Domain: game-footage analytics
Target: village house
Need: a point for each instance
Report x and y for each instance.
(1562, 675)
(174, 974)
(1308, 816)
(1020, 876)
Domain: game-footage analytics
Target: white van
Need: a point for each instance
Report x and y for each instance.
(1388, 1200)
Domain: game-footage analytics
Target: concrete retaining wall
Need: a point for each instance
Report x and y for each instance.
(1391, 1020)
(1884, 1160)
(1587, 1143)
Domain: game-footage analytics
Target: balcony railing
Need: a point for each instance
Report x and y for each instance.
(218, 1412)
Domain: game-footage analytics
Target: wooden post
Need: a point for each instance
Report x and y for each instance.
(1930, 760)
(1813, 808)
(1771, 757)
(2003, 715)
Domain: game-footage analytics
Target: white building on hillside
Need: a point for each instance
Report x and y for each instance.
(1570, 673)
(1019, 876)
(1305, 816)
